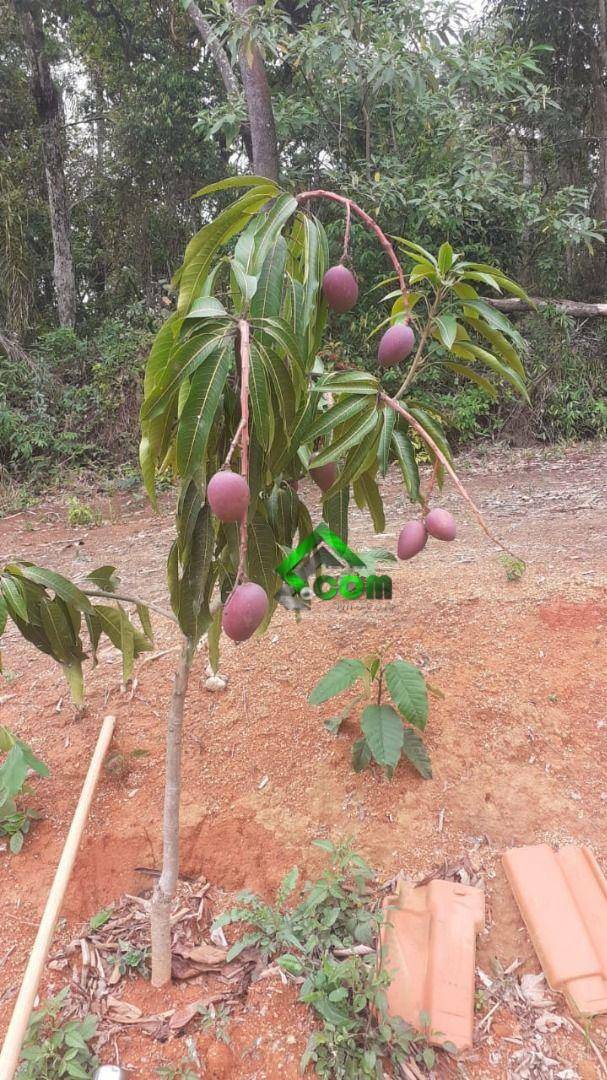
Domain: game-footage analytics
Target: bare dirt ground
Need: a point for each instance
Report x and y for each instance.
(519, 747)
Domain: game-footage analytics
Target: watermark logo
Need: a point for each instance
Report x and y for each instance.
(317, 552)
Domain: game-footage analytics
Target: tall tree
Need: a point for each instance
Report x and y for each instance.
(50, 114)
(257, 95)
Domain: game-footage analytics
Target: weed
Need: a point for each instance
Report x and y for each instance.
(79, 513)
(15, 820)
(100, 918)
(216, 1020)
(515, 568)
(132, 961)
(328, 943)
(385, 737)
(54, 1050)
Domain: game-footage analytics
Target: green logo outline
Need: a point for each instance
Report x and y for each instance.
(286, 569)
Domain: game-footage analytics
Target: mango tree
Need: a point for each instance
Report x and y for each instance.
(239, 406)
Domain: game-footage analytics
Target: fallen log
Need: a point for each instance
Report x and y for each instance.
(578, 309)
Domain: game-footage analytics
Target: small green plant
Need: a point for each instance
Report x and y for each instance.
(216, 1019)
(53, 1049)
(328, 942)
(100, 918)
(132, 961)
(15, 820)
(79, 513)
(385, 737)
(515, 568)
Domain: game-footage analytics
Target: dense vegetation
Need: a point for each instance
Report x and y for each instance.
(489, 132)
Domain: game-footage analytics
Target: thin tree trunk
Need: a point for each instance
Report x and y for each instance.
(223, 65)
(258, 99)
(50, 114)
(600, 96)
(167, 883)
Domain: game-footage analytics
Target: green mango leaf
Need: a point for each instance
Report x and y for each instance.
(385, 439)
(57, 630)
(16, 842)
(405, 455)
(105, 578)
(335, 512)
(446, 329)
(469, 373)
(343, 675)
(213, 638)
(361, 755)
(75, 680)
(415, 751)
(407, 689)
(259, 391)
(383, 731)
(445, 258)
(14, 597)
(267, 301)
(247, 181)
(354, 434)
(199, 411)
(367, 494)
(206, 307)
(3, 615)
(58, 584)
(337, 414)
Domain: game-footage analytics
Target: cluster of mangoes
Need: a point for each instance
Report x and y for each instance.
(340, 290)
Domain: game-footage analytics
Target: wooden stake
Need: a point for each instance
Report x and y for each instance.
(11, 1050)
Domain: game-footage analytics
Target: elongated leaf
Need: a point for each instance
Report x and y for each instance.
(273, 222)
(409, 245)
(57, 630)
(59, 585)
(247, 181)
(405, 455)
(3, 614)
(501, 345)
(280, 331)
(213, 638)
(359, 460)
(337, 414)
(445, 257)
(366, 493)
(415, 751)
(183, 363)
(354, 382)
(385, 439)
(446, 328)
(206, 307)
(202, 247)
(263, 556)
(335, 512)
(343, 675)
(491, 315)
(14, 597)
(500, 368)
(279, 380)
(105, 578)
(267, 301)
(383, 731)
(469, 373)
(259, 391)
(407, 689)
(353, 435)
(201, 405)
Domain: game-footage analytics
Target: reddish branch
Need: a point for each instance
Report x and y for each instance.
(429, 441)
(369, 222)
(346, 251)
(243, 431)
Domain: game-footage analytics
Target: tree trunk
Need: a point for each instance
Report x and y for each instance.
(258, 99)
(222, 63)
(167, 883)
(600, 103)
(50, 114)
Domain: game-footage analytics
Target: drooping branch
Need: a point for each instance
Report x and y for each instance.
(430, 443)
(319, 193)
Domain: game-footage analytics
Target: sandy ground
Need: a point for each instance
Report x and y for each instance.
(518, 744)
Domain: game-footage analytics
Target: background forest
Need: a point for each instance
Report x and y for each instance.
(487, 127)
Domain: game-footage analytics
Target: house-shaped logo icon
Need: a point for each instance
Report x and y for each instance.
(323, 549)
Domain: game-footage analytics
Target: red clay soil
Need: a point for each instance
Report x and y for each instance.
(518, 743)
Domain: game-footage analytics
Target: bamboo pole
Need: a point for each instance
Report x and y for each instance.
(11, 1049)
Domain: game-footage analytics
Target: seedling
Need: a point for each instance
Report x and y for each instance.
(54, 1050)
(80, 514)
(15, 820)
(385, 737)
(132, 961)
